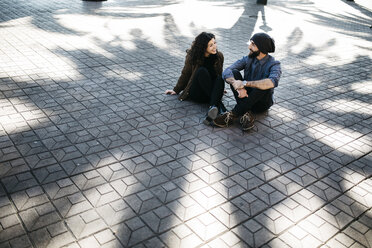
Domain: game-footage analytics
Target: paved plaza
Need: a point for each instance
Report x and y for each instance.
(93, 154)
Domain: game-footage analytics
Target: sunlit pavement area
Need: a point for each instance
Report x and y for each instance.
(93, 154)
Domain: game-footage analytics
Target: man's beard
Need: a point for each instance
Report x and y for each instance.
(253, 54)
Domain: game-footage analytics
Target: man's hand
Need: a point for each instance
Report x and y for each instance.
(242, 93)
(170, 92)
(238, 84)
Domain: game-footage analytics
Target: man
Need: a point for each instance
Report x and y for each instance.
(255, 92)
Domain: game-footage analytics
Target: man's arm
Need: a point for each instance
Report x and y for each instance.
(238, 65)
(231, 80)
(263, 84)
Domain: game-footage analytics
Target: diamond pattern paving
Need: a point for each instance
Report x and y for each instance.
(93, 154)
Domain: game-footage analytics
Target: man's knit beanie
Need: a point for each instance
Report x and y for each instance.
(264, 42)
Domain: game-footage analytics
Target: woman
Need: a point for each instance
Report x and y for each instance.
(201, 79)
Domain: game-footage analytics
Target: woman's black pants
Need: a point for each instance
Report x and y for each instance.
(205, 90)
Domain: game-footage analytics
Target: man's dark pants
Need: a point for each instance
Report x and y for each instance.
(257, 101)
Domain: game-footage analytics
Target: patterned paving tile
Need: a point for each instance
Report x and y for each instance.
(94, 154)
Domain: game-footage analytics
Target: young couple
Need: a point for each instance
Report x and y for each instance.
(202, 79)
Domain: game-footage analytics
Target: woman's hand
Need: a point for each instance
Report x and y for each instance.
(170, 92)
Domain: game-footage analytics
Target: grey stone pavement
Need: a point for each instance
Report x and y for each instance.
(93, 154)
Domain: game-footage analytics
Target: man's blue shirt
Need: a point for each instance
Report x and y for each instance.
(255, 69)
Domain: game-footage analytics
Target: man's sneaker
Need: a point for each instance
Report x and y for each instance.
(225, 120)
(247, 121)
(211, 115)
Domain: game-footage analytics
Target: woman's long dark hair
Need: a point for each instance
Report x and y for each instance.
(198, 47)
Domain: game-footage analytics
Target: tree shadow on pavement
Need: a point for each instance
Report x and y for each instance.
(315, 167)
(88, 156)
